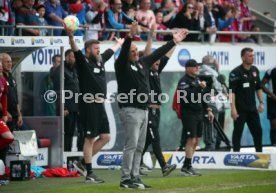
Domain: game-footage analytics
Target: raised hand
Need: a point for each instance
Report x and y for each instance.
(179, 35)
(152, 29)
(119, 41)
(134, 29)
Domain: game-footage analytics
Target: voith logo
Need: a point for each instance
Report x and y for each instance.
(17, 41)
(77, 41)
(183, 56)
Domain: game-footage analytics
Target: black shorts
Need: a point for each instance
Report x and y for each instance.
(271, 109)
(192, 124)
(94, 119)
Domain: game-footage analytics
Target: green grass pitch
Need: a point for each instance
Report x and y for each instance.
(212, 181)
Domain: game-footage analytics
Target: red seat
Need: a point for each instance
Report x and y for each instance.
(44, 142)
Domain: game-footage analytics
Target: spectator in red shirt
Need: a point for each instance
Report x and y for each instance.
(26, 15)
(246, 16)
(159, 24)
(6, 137)
(226, 24)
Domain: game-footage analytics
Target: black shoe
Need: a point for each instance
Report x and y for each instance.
(93, 178)
(128, 184)
(145, 168)
(189, 172)
(180, 148)
(140, 185)
(141, 173)
(80, 168)
(168, 169)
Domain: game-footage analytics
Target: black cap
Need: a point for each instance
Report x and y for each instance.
(40, 6)
(191, 63)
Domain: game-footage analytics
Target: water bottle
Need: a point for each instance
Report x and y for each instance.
(13, 172)
(70, 166)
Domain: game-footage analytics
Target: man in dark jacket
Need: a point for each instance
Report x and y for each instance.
(244, 81)
(71, 108)
(132, 75)
(14, 113)
(92, 83)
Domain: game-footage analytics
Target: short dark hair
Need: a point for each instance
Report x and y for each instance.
(67, 52)
(112, 2)
(158, 11)
(131, 7)
(55, 56)
(244, 50)
(90, 42)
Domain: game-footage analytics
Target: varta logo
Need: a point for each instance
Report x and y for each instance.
(37, 41)
(15, 41)
(55, 41)
(243, 156)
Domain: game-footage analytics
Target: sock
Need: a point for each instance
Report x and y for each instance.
(88, 168)
(4, 142)
(3, 153)
(187, 163)
(273, 136)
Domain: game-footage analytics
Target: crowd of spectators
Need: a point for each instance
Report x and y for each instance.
(197, 15)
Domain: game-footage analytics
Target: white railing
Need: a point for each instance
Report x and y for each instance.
(52, 28)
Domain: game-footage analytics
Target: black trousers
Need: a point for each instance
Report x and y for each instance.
(153, 137)
(71, 121)
(254, 124)
(221, 120)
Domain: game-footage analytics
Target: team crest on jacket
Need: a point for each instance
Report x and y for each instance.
(140, 65)
(254, 74)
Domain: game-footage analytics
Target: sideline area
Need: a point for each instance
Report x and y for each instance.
(230, 181)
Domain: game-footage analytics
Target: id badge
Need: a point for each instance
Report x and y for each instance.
(246, 85)
(153, 111)
(97, 70)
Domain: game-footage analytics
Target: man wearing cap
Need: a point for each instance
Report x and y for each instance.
(192, 108)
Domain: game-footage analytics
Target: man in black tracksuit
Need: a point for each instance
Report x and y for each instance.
(153, 137)
(71, 108)
(244, 81)
(193, 108)
(132, 75)
(14, 112)
(270, 78)
(92, 83)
